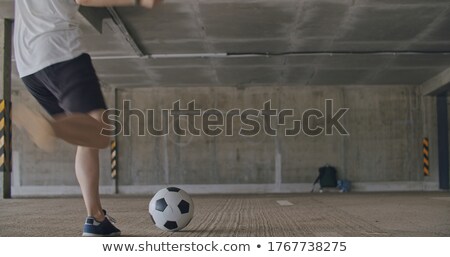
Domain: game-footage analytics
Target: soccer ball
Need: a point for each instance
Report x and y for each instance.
(171, 209)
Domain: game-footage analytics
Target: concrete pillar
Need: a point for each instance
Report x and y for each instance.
(443, 141)
(5, 94)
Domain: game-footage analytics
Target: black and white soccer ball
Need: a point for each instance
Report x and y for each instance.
(171, 209)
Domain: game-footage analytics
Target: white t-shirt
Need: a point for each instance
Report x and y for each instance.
(45, 32)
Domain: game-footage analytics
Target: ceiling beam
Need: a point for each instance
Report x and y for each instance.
(437, 84)
(95, 16)
(122, 27)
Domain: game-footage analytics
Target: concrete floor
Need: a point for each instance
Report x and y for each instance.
(327, 214)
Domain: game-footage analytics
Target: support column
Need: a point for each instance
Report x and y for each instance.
(5, 107)
(443, 148)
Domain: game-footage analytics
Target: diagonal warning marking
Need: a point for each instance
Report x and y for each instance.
(284, 203)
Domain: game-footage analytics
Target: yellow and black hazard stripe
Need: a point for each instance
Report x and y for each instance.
(5, 135)
(114, 159)
(426, 157)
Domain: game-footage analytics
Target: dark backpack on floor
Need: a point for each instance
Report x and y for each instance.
(327, 177)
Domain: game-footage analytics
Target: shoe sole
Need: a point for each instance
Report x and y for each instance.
(99, 235)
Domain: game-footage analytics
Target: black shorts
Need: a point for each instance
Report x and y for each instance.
(67, 87)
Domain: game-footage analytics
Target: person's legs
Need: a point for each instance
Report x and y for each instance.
(39, 128)
(87, 166)
(63, 89)
(87, 169)
(81, 129)
(77, 129)
(81, 97)
(73, 86)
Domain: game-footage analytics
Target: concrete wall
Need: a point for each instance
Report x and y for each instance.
(386, 128)
(382, 152)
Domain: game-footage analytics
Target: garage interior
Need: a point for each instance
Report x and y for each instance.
(386, 61)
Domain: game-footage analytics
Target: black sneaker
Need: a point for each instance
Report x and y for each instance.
(92, 227)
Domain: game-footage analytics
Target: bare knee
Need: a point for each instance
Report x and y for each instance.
(98, 115)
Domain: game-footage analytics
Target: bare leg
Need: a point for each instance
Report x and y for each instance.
(87, 172)
(77, 129)
(81, 129)
(38, 128)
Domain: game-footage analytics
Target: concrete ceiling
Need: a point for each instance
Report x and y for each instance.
(308, 42)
